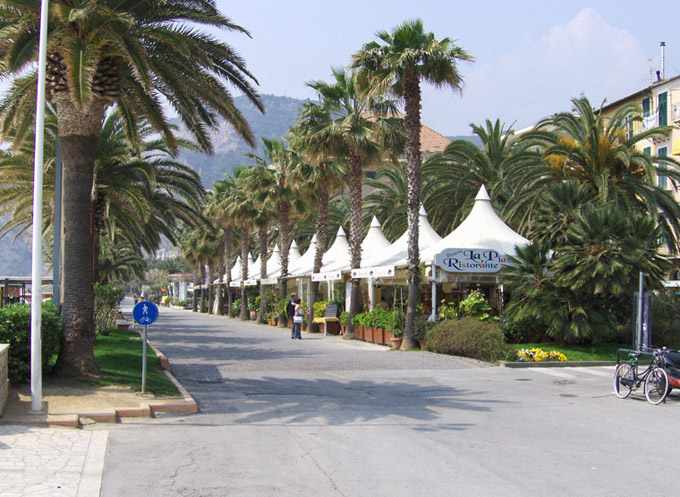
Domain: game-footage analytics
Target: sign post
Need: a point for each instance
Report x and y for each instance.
(144, 313)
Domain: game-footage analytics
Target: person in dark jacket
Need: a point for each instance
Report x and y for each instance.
(290, 312)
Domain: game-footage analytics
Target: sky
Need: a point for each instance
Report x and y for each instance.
(531, 57)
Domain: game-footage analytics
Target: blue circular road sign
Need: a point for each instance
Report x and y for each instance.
(145, 313)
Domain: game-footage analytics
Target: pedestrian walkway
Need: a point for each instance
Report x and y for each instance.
(51, 462)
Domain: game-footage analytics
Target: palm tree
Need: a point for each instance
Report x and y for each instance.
(255, 182)
(362, 130)
(596, 151)
(199, 247)
(454, 176)
(241, 207)
(275, 179)
(322, 172)
(407, 56)
(137, 54)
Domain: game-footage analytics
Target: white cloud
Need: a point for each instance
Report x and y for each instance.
(539, 77)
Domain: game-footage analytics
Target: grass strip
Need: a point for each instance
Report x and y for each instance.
(575, 353)
(120, 359)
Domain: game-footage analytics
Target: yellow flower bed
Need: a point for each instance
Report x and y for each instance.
(539, 355)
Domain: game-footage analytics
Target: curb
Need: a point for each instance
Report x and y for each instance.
(565, 364)
(114, 415)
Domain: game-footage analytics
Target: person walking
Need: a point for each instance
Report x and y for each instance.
(297, 319)
(290, 312)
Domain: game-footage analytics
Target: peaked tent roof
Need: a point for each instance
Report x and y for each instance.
(293, 258)
(481, 229)
(337, 255)
(397, 253)
(304, 262)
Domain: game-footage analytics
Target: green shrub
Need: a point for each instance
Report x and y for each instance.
(467, 337)
(447, 310)
(344, 316)
(254, 303)
(420, 327)
(320, 308)
(15, 329)
(475, 305)
(236, 307)
(397, 322)
(106, 300)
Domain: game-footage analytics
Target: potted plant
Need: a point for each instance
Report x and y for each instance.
(397, 339)
(343, 321)
(420, 327)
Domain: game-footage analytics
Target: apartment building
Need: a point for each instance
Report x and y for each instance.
(660, 103)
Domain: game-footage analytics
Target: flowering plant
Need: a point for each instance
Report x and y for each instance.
(538, 355)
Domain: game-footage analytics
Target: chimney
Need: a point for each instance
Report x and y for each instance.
(663, 60)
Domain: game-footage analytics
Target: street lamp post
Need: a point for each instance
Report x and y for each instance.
(36, 262)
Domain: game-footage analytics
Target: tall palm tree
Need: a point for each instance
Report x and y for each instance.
(138, 54)
(241, 207)
(255, 181)
(362, 130)
(322, 172)
(596, 151)
(408, 56)
(275, 179)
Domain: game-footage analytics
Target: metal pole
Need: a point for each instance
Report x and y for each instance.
(56, 250)
(36, 263)
(433, 316)
(640, 303)
(144, 359)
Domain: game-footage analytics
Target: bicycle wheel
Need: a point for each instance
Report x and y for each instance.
(656, 386)
(624, 377)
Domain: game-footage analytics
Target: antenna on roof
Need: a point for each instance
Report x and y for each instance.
(663, 60)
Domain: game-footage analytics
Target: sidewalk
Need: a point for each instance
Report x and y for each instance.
(51, 462)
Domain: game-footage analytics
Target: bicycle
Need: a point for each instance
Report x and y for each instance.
(627, 376)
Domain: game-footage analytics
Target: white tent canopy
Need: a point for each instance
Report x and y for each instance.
(482, 229)
(397, 253)
(374, 243)
(293, 260)
(337, 256)
(306, 261)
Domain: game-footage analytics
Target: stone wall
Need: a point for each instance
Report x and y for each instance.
(4, 380)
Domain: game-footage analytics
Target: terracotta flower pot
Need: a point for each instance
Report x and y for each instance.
(422, 344)
(396, 343)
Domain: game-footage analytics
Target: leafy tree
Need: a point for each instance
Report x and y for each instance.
(406, 57)
(597, 152)
(137, 54)
(453, 177)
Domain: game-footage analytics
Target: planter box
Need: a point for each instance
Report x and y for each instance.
(387, 336)
(368, 334)
(378, 336)
(332, 328)
(359, 332)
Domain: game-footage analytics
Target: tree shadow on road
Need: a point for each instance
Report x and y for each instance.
(272, 400)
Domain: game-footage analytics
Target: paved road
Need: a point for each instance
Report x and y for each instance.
(326, 417)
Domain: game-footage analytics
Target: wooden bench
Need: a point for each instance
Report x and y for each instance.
(330, 315)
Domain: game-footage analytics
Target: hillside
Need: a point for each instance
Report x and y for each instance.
(230, 149)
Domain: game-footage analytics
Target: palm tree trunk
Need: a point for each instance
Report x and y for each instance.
(221, 264)
(263, 274)
(194, 300)
(413, 176)
(79, 131)
(321, 237)
(245, 249)
(284, 232)
(355, 205)
(202, 307)
(227, 257)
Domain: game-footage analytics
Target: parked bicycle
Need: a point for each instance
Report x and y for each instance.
(659, 377)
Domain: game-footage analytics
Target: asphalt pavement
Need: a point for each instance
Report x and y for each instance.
(328, 417)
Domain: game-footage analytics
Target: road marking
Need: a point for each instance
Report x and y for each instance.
(338, 375)
(593, 372)
(552, 372)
